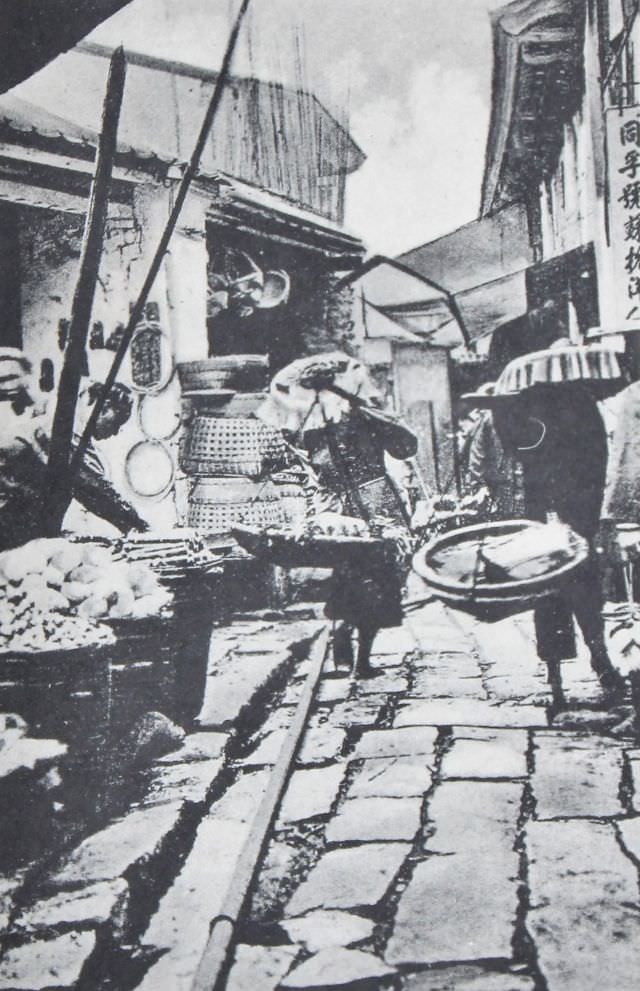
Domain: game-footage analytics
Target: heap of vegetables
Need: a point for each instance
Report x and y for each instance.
(54, 594)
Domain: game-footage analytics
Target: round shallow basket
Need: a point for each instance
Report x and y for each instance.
(149, 470)
(488, 600)
(242, 372)
(217, 505)
(216, 445)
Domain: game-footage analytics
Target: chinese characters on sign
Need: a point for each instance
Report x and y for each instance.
(623, 136)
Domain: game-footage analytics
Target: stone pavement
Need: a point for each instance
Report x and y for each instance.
(440, 834)
(437, 833)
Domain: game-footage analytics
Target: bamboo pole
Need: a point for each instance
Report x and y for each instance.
(215, 956)
(59, 478)
(188, 176)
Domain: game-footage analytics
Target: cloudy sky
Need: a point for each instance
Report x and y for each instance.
(414, 75)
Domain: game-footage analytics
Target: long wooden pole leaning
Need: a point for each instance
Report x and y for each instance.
(60, 480)
(215, 957)
(187, 178)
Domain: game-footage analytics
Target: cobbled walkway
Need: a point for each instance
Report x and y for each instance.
(439, 834)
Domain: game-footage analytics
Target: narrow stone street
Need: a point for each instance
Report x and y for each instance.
(436, 834)
(444, 836)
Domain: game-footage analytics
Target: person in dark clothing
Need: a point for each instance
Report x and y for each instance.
(558, 435)
(348, 458)
(327, 407)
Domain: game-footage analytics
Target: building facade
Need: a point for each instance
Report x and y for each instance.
(255, 198)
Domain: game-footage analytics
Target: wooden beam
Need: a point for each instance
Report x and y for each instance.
(60, 479)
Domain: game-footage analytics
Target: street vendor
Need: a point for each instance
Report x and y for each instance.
(23, 459)
(328, 406)
(557, 434)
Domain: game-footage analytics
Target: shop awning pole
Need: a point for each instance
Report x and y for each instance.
(60, 479)
(188, 176)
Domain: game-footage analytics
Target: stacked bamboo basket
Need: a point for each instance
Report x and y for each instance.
(229, 454)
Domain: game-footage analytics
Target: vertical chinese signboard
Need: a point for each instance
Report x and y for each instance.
(623, 140)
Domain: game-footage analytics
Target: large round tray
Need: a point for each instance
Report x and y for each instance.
(312, 552)
(491, 601)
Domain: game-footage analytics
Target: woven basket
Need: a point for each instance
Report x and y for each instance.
(216, 505)
(215, 445)
(244, 372)
(294, 503)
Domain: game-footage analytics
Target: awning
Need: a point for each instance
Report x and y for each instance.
(537, 86)
(33, 32)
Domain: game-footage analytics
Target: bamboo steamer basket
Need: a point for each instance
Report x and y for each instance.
(214, 445)
(241, 372)
(217, 505)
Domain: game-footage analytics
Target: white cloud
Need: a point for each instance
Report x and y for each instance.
(425, 160)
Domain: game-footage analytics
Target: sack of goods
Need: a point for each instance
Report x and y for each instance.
(529, 553)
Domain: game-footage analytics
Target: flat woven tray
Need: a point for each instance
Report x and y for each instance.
(285, 549)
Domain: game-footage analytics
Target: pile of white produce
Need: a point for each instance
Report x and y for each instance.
(54, 593)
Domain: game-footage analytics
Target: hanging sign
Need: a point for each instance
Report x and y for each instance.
(623, 143)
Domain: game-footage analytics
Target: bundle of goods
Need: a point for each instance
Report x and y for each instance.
(323, 541)
(528, 553)
(56, 593)
(170, 556)
(493, 570)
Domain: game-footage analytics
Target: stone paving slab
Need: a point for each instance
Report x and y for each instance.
(349, 878)
(458, 907)
(391, 682)
(472, 712)
(502, 758)
(180, 926)
(401, 742)
(311, 793)
(321, 929)
(430, 683)
(189, 781)
(584, 909)
(362, 819)
(240, 802)
(336, 967)
(229, 690)
(109, 853)
(92, 905)
(518, 738)
(397, 640)
(392, 777)
(197, 747)
(334, 690)
(466, 978)
(320, 744)
(630, 835)
(474, 816)
(51, 963)
(450, 663)
(356, 712)
(259, 968)
(576, 775)
(534, 691)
